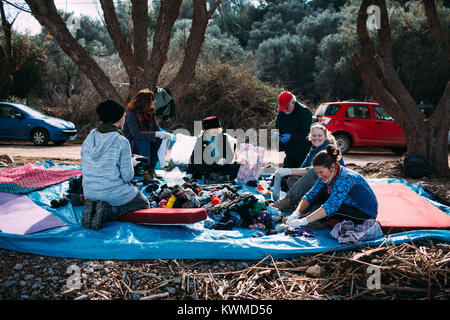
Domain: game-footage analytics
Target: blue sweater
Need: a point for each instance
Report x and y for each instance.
(107, 168)
(349, 188)
(313, 151)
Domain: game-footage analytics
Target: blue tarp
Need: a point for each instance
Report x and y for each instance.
(122, 240)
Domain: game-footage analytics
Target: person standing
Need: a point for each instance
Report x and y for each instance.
(293, 123)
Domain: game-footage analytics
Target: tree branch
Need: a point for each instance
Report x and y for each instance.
(437, 32)
(168, 13)
(47, 15)
(120, 43)
(139, 14)
(193, 46)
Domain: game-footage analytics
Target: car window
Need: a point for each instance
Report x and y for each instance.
(361, 112)
(7, 111)
(332, 109)
(380, 114)
(321, 110)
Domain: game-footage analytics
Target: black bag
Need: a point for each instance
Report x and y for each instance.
(164, 104)
(415, 166)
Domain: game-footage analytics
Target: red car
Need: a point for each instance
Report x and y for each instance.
(357, 124)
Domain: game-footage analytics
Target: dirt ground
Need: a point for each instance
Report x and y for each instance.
(416, 270)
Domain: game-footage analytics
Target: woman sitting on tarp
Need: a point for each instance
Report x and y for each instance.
(107, 170)
(339, 194)
(213, 154)
(300, 180)
(142, 130)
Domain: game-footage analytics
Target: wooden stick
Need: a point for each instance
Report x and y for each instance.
(279, 275)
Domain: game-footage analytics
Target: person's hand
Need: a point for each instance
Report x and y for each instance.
(222, 162)
(283, 172)
(285, 137)
(295, 215)
(296, 223)
(163, 135)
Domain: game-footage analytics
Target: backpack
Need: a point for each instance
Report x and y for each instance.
(415, 166)
(164, 104)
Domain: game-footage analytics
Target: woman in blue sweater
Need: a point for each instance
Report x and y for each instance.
(107, 170)
(338, 193)
(300, 180)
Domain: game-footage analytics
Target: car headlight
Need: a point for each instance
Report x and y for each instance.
(55, 123)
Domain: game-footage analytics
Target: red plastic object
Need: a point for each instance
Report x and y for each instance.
(215, 200)
(400, 209)
(165, 216)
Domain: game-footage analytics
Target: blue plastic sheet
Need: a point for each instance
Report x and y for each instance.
(122, 240)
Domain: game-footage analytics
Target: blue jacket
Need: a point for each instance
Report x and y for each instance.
(313, 151)
(107, 168)
(349, 188)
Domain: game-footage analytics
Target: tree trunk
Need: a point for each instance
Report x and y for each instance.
(424, 136)
(10, 65)
(193, 46)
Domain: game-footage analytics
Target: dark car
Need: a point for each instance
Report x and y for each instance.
(20, 122)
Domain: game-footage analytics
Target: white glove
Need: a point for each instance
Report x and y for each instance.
(295, 223)
(283, 172)
(293, 216)
(163, 135)
(134, 162)
(222, 162)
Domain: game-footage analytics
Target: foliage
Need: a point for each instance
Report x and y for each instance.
(233, 94)
(29, 58)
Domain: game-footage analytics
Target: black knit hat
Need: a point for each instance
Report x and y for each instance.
(110, 111)
(210, 123)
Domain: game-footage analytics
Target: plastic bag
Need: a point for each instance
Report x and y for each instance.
(251, 158)
(180, 154)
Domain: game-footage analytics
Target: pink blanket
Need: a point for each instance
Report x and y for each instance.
(32, 177)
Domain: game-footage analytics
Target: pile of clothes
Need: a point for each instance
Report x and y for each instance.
(226, 208)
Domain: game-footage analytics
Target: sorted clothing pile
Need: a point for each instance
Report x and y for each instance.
(225, 206)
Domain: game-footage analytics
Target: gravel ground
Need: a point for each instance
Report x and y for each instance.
(26, 276)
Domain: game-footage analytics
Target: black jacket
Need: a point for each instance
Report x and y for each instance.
(297, 123)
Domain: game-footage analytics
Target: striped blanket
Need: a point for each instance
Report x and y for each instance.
(32, 177)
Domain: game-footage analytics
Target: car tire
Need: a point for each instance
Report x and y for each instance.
(343, 142)
(40, 137)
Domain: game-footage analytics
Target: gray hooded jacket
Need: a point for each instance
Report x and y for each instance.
(107, 168)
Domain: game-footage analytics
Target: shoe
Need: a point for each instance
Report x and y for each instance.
(284, 204)
(149, 177)
(92, 216)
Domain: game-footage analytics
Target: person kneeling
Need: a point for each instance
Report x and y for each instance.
(339, 193)
(107, 170)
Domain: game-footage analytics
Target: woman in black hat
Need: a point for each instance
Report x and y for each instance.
(213, 153)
